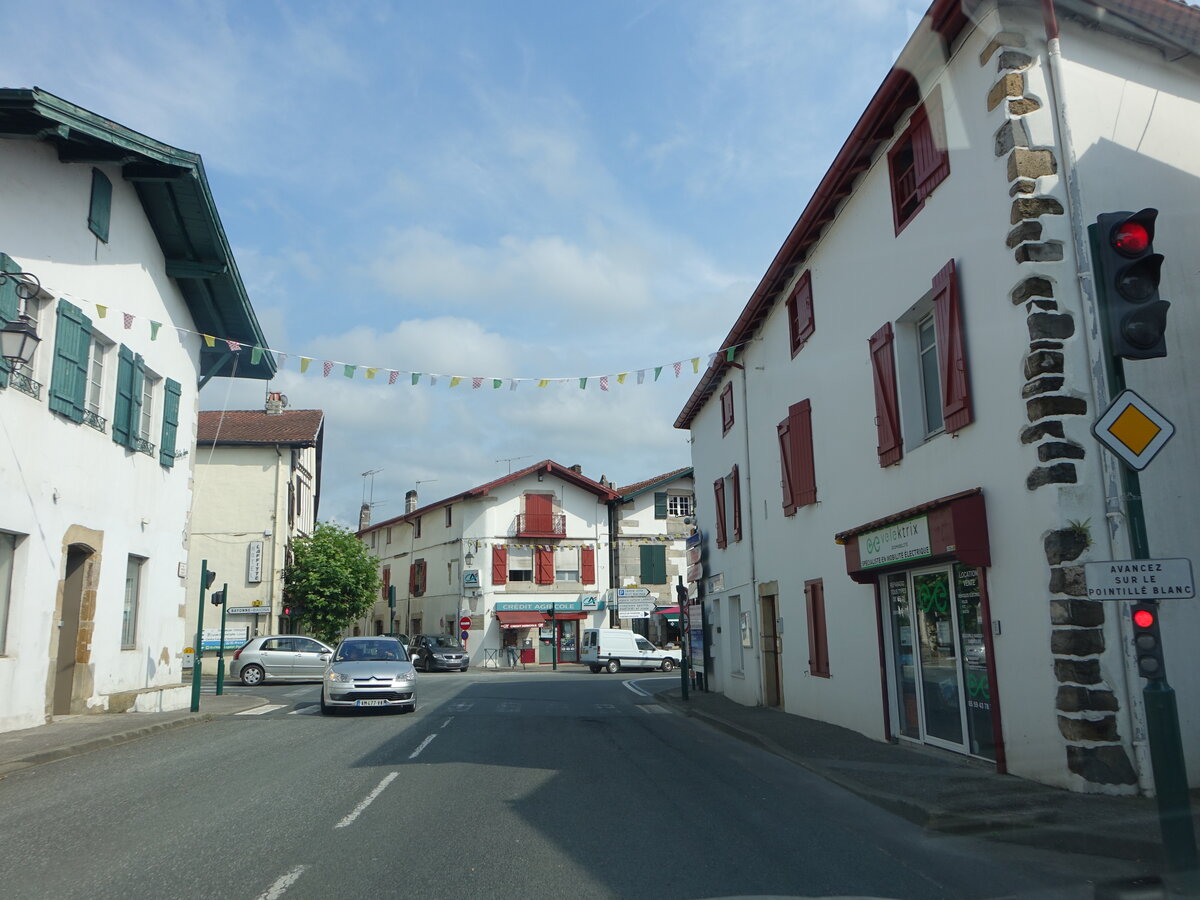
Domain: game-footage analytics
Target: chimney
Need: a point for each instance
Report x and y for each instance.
(410, 501)
(364, 516)
(275, 403)
(577, 469)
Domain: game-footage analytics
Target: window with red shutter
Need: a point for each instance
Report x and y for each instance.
(801, 433)
(543, 567)
(918, 161)
(887, 404)
(727, 408)
(719, 496)
(952, 351)
(499, 564)
(818, 641)
(736, 491)
(587, 565)
(800, 313)
(785, 466)
(416, 578)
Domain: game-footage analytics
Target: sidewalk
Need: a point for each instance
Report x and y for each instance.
(73, 735)
(941, 791)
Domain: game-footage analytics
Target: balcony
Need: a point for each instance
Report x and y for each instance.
(24, 383)
(541, 525)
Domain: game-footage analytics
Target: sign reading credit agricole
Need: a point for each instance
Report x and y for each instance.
(895, 543)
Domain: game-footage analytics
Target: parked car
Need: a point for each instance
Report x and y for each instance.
(369, 672)
(279, 656)
(438, 651)
(614, 649)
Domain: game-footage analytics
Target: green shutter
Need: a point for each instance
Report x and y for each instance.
(122, 433)
(135, 411)
(9, 306)
(654, 564)
(660, 504)
(68, 378)
(170, 425)
(101, 207)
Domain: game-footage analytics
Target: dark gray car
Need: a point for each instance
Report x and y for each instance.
(431, 652)
(279, 656)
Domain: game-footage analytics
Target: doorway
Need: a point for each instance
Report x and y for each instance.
(75, 581)
(772, 693)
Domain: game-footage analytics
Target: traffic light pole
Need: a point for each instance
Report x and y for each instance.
(199, 646)
(221, 651)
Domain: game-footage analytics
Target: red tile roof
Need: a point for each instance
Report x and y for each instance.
(253, 426)
(631, 489)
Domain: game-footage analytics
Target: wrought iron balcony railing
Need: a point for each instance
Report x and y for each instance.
(543, 525)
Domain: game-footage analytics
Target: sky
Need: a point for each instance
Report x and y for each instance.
(522, 190)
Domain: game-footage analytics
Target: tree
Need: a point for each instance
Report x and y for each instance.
(332, 580)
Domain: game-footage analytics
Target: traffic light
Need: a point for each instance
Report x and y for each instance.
(216, 598)
(391, 596)
(1147, 641)
(209, 577)
(681, 595)
(1127, 275)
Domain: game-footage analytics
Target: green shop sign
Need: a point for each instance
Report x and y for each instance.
(895, 543)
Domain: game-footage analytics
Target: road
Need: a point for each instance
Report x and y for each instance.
(500, 785)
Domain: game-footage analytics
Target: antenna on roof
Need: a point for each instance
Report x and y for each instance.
(509, 460)
(370, 473)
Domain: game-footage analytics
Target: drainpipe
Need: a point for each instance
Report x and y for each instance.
(1114, 510)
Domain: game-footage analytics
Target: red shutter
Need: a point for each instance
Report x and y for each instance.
(804, 474)
(952, 351)
(818, 641)
(499, 564)
(931, 155)
(800, 312)
(587, 565)
(887, 406)
(737, 504)
(719, 494)
(539, 514)
(543, 567)
(412, 579)
(785, 466)
(727, 408)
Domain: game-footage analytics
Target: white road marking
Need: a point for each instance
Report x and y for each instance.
(282, 883)
(425, 743)
(605, 706)
(354, 814)
(305, 711)
(259, 710)
(448, 721)
(460, 707)
(632, 684)
(653, 708)
(637, 690)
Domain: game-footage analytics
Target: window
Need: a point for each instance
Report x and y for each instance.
(170, 422)
(918, 161)
(679, 505)
(95, 385)
(927, 351)
(587, 565)
(8, 552)
(800, 313)
(566, 564)
(799, 481)
(416, 524)
(719, 499)
(735, 486)
(150, 383)
(24, 377)
(660, 504)
(449, 516)
(131, 394)
(100, 209)
(389, 534)
(10, 305)
(654, 563)
(887, 402)
(499, 564)
(520, 564)
(133, 590)
(69, 371)
(374, 539)
(417, 578)
(543, 565)
(727, 408)
(818, 644)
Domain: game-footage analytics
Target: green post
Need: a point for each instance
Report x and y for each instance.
(221, 652)
(199, 654)
(553, 637)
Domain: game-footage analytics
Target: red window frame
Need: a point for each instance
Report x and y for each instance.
(800, 313)
(918, 161)
(719, 497)
(818, 638)
(727, 408)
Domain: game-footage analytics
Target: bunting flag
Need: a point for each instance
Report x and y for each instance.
(432, 380)
(209, 340)
(496, 382)
(621, 378)
(234, 346)
(154, 326)
(695, 365)
(729, 354)
(455, 380)
(604, 382)
(416, 378)
(128, 317)
(641, 376)
(348, 370)
(255, 356)
(101, 310)
(392, 376)
(583, 384)
(657, 372)
(326, 368)
(476, 383)
(283, 357)
(543, 382)
(512, 385)
(676, 367)
(305, 362)
(371, 373)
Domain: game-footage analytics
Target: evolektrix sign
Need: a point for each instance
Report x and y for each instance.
(895, 543)
(1140, 579)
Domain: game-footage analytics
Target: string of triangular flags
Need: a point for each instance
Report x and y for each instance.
(649, 374)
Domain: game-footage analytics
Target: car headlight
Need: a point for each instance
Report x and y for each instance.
(340, 677)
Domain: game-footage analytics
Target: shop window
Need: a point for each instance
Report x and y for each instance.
(8, 552)
(818, 642)
(918, 161)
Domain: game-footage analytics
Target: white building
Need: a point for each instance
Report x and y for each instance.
(523, 557)
(905, 486)
(258, 486)
(97, 432)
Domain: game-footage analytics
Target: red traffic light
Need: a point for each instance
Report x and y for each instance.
(1143, 618)
(287, 610)
(1131, 238)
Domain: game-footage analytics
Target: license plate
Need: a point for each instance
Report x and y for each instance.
(370, 703)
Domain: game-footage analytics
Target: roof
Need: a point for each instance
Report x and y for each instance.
(1170, 21)
(179, 206)
(545, 467)
(632, 490)
(301, 427)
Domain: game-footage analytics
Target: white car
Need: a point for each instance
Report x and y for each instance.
(614, 649)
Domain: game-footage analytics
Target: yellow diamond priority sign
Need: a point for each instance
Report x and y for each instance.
(1133, 429)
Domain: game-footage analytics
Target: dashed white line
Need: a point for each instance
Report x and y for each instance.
(259, 710)
(425, 743)
(366, 801)
(652, 708)
(282, 883)
(448, 721)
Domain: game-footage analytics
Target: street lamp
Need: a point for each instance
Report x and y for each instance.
(19, 338)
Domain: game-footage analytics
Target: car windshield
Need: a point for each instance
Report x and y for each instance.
(445, 642)
(365, 651)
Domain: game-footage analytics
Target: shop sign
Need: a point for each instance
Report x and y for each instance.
(254, 559)
(895, 543)
(590, 602)
(470, 578)
(539, 605)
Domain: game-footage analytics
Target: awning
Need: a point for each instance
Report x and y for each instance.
(568, 616)
(667, 611)
(520, 619)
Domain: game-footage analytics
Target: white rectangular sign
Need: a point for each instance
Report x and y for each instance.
(254, 554)
(635, 609)
(895, 543)
(633, 592)
(248, 610)
(1140, 579)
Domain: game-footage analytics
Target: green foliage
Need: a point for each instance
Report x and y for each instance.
(332, 579)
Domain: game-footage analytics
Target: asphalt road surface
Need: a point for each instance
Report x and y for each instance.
(499, 786)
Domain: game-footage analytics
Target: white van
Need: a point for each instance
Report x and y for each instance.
(615, 649)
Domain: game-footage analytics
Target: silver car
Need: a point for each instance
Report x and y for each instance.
(369, 671)
(279, 656)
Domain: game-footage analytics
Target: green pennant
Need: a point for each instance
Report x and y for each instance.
(348, 371)
(255, 355)
(657, 372)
